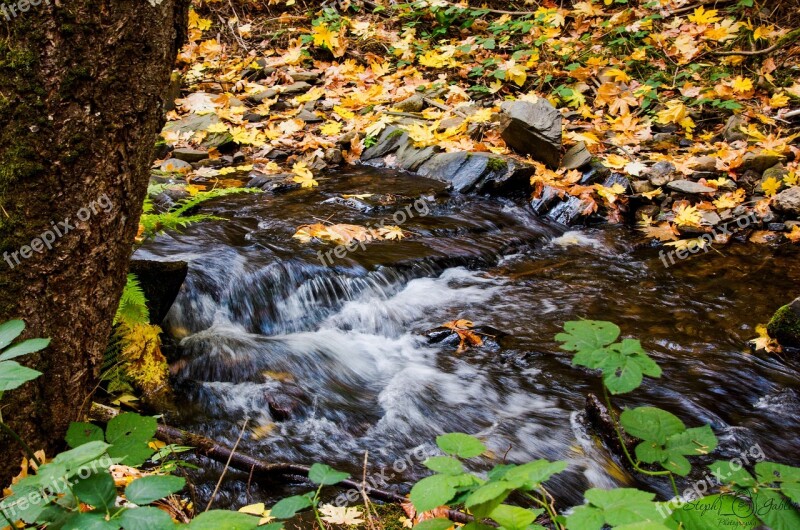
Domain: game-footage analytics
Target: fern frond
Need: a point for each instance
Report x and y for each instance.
(132, 307)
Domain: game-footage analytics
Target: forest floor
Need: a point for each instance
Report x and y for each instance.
(692, 106)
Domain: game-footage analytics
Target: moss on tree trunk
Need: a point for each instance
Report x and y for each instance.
(82, 89)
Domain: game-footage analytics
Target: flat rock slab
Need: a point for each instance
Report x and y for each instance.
(533, 129)
(689, 187)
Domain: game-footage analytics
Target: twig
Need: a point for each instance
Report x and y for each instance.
(227, 464)
(367, 505)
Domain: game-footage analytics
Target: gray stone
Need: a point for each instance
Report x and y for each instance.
(533, 129)
(710, 218)
(334, 156)
(479, 173)
(238, 157)
(450, 123)
(731, 131)
(414, 103)
(577, 156)
(411, 158)
(264, 94)
(617, 178)
(648, 210)
(175, 165)
(295, 88)
(274, 183)
(597, 171)
(642, 186)
(704, 163)
(759, 162)
(308, 76)
(216, 140)
(190, 155)
(192, 123)
(549, 197)
(254, 117)
(689, 187)
(309, 117)
(569, 211)
(390, 139)
(788, 201)
(661, 173)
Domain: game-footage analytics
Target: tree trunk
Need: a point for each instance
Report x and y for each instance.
(82, 85)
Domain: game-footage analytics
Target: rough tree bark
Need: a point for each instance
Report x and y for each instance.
(82, 86)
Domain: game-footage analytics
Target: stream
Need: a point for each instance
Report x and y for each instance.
(330, 361)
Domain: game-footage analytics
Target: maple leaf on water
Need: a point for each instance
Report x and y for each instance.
(391, 232)
(303, 175)
(764, 341)
(465, 334)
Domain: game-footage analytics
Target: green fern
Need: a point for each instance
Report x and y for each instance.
(132, 307)
(175, 218)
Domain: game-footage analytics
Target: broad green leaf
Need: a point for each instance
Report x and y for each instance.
(129, 434)
(651, 424)
(693, 442)
(587, 335)
(643, 525)
(24, 348)
(432, 492)
(625, 505)
(14, 375)
(776, 511)
(714, 512)
(624, 377)
(677, 463)
(147, 518)
(73, 459)
(288, 507)
(514, 517)
(145, 490)
(632, 349)
(585, 518)
(489, 492)
(434, 524)
(445, 465)
(97, 490)
(89, 521)
(223, 520)
(323, 474)
(529, 476)
(9, 331)
(80, 433)
(460, 444)
(726, 473)
(787, 477)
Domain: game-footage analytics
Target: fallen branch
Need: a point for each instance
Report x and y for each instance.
(258, 468)
(786, 39)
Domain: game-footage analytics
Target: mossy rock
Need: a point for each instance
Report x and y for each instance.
(785, 325)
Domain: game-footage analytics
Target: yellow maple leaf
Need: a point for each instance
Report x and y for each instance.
(515, 72)
(324, 37)
(303, 175)
(343, 112)
(618, 75)
(331, 128)
(703, 16)
(762, 32)
(778, 100)
(421, 135)
(771, 186)
(674, 113)
(651, 194)
(687, 216)
(742, 85)
(217, 128)
(616, 161)
(312, 95)
(589, 138)
(791, 178)
(794, 235)
(391, 232)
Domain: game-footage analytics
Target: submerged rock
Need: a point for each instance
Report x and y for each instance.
(533, 129)
(490, 336)
(785, 325)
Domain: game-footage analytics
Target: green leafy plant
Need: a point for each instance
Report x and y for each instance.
(12, 374)
(320, 474)
(58, 493)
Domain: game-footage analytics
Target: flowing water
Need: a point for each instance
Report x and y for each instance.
(330, 361)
